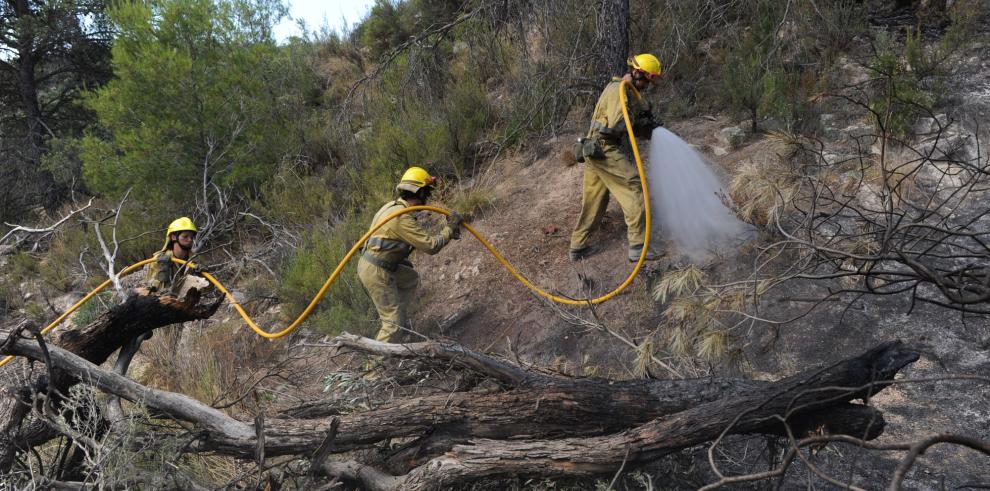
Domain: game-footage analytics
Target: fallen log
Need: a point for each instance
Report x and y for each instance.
(816, 400)
(755, 411)
(548, 412)
(95, 342)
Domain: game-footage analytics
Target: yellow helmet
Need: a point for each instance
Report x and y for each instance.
(647, 63)
(183, 224)
(414, 179)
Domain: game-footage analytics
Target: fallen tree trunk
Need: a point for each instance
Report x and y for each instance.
(815, 400)
(95, 342)
(756, 411)
(548, 412)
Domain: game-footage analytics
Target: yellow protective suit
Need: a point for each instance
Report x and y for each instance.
(385, 270)
(165, 277)
(612, 174)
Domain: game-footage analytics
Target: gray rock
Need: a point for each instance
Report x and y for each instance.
(833, 158)
(860, 130)
(950, 145)
(772, 124)
(827, 122)
(927, 126)
(732, 136)
(363, 134)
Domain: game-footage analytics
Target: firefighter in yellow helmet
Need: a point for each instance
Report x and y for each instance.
(608, 169)
(384, 267)
(166, 277)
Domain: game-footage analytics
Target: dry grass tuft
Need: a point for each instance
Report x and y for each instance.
(568, 158)
(712, 345)
(644, 357)
(761, 191)
(201, 363)
(680, 341)
(678, 283)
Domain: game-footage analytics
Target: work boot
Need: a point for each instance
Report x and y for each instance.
(636, 250)
(579, 254)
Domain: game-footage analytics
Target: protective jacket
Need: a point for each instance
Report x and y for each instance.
(164, 276)
(159, 275)
(385, 270)
(394, 241)
(607, 123)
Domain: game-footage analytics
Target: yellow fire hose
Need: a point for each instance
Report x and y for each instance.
(357, 246)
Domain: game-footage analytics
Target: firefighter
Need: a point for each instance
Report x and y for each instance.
(608, 170)
(384, 267)
(164, 276)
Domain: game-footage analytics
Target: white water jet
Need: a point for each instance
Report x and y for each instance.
(685, 198)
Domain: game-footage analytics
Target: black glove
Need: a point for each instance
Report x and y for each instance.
(616, 133)
(454, 221)
(645, 123)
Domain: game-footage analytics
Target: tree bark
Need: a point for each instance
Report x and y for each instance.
(27, 82)
(138, 315)
(588, 420)
(755, 411)
(613, 37)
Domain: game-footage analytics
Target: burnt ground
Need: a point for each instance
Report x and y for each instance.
(530, 221)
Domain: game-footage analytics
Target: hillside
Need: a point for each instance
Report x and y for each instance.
(844, 344)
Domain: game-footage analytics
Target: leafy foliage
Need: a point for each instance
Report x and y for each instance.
(195, 98)
(49, 52)
(346, 305)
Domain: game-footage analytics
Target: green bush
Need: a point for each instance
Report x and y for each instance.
(346, 305)
(384, 28)
(935, 60)
(297, 199)
(23, 267)
(10, 296)
(829, 29)
(437, 135)
(898, 98)
(35, 311)
(94, 308)
(196, 90)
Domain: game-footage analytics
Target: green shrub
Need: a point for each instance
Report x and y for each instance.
(23, 266)
(195, 91)
(385, 28)
(829, 29)
(58, 269)
(64, 163)
(35, 311)
(935, 60)
(898, 97)
(346, 305)
(10, 296)
(94, 308)
(296, 199)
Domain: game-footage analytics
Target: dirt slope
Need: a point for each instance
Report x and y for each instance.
(530, 223)
(538, 202)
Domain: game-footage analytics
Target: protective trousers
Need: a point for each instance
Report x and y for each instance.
(614, 175)
(392, 293)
